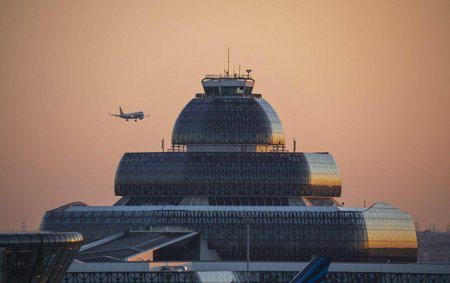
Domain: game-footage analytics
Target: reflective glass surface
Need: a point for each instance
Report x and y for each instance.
(275, 234)
(37, 257)
(227, 173)
(228, 120)
(323, 169)
(153, 201)
(249, 201)
(277, 127)
(391, 233)
(322, 201)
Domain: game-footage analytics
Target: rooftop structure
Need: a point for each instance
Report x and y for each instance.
(228, 117)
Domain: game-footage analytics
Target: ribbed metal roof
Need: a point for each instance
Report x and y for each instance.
(40, 238)
(228, 120)
(215, 208)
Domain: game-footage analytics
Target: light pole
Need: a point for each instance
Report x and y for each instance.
(248, 220)
(248, 251)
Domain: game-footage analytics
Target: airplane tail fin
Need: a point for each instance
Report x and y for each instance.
(120, 109)
(314, 272)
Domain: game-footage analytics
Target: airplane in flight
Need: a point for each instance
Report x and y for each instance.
(133, 115)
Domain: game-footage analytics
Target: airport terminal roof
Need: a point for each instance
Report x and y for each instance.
(213, 208)
(122, 246)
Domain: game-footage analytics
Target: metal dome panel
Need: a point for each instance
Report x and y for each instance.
(228, 120)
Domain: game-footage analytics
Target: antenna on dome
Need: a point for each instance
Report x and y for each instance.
(248, 72)
(228, 68)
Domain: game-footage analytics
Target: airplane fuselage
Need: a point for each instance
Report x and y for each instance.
(132, 115)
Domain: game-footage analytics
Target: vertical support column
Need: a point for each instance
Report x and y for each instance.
(248, 251)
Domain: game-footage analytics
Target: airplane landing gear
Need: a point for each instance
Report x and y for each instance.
(135, 120)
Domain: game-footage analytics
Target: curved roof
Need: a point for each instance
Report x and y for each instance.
(227, 173)
(41, 238)
(76, 203)
(228, 120)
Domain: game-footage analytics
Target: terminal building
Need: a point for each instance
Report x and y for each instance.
(227, 181)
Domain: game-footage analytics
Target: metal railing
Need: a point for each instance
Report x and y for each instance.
(228, 76)
(254, 95)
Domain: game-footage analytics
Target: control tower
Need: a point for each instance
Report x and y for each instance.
(229, 117)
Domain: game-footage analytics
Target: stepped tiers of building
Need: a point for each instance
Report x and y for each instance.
(228, 169)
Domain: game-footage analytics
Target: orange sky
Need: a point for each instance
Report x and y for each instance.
(368, 81)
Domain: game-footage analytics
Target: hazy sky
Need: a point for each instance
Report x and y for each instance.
(368, 81)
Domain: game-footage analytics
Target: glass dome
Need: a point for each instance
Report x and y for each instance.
(228, 120)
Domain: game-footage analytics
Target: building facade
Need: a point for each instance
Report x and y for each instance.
(228, 167)
(38, 257)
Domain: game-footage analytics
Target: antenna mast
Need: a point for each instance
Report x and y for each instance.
(228, 69)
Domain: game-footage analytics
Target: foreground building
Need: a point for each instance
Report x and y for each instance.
(228, 177)
(38, 257)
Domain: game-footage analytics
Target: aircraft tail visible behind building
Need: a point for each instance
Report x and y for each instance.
(314, 272)
(120, 109)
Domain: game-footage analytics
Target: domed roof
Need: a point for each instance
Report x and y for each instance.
(228, 120)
